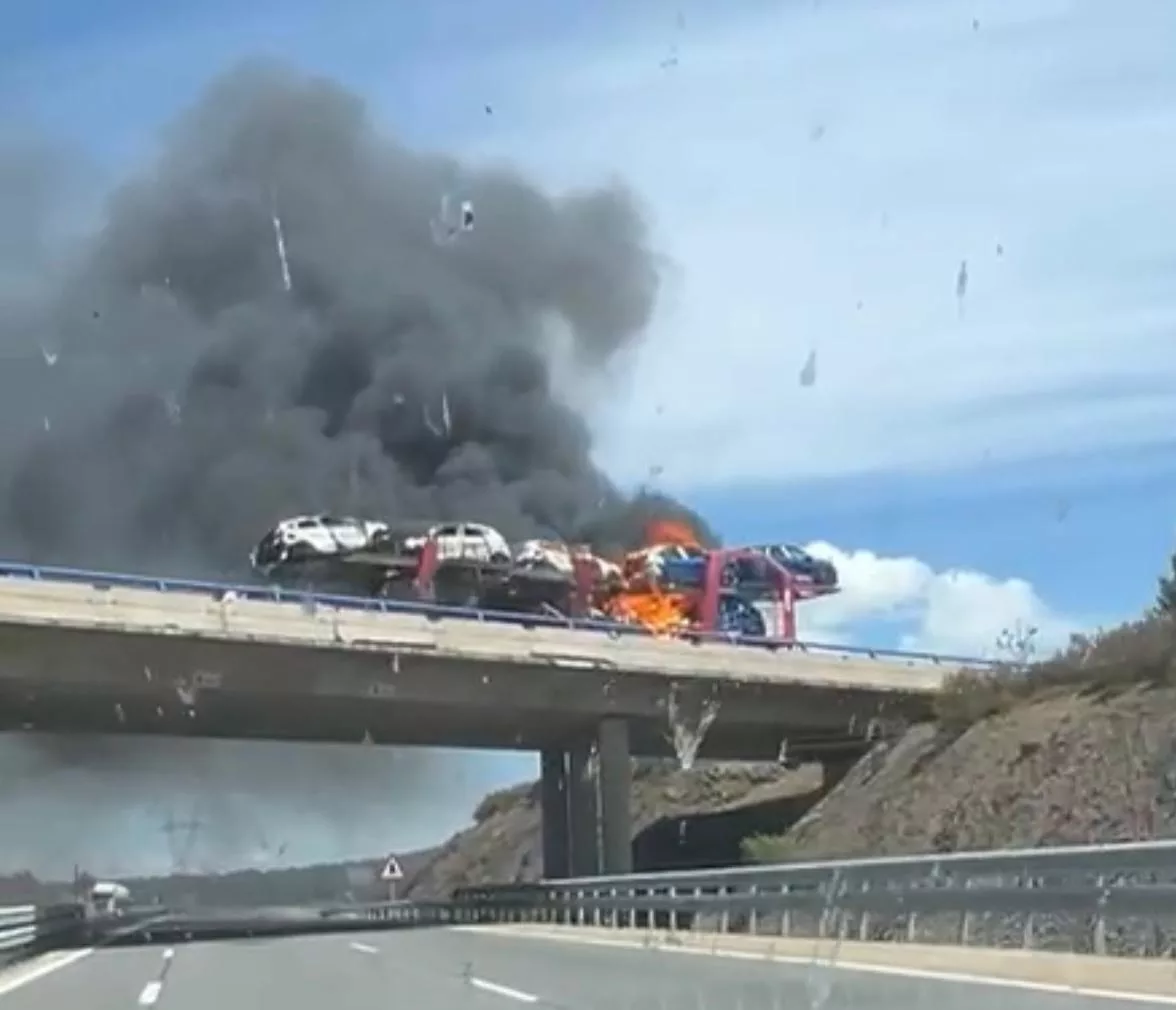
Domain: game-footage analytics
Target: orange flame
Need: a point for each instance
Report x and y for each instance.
(670, 531)
(661, 613)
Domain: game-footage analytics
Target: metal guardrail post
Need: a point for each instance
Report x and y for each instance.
(1100, 920)
(864, 919)
(1029, 930)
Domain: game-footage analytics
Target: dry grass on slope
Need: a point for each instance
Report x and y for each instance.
(1142, 653)
(1078, 748)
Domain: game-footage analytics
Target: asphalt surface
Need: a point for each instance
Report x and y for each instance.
(462, 970)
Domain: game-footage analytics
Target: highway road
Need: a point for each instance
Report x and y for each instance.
(434, 969)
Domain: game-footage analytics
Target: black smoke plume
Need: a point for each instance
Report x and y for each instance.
(194, 400)
(165, 399)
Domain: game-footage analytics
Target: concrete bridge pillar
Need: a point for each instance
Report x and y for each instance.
(616, 784)
(583, 823)
(553, 813)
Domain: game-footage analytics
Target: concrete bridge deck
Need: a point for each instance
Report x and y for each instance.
(78, 657)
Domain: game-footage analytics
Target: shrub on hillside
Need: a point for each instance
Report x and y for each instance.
(1166, 591)
(767, 848)
(1141, 653)
(502, 800)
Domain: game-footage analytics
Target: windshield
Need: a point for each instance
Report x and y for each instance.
(833, 334)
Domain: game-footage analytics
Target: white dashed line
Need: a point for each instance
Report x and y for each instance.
(363, 948)
(504, 990)
(150, 993)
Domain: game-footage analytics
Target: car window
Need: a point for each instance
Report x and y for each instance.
(446, 531)
(306, 524)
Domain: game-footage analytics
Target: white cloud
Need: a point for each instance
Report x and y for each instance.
(1048, 131)
(954, 612)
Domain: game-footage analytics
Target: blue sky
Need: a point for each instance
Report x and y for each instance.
(815, 172)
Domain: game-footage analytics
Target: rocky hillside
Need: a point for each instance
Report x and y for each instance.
(1078, 749)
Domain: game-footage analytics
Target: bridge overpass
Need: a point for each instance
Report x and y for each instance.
(103, 653)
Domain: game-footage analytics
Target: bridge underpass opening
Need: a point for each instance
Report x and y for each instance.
(587, 820)
(705, 841)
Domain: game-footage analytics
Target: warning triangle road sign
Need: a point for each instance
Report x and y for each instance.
(392, 870)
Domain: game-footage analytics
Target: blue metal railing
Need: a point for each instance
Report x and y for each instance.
(438, 612)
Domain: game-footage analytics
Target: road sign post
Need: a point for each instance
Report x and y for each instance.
(391, 874)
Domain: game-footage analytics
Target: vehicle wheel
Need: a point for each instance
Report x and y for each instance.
(455, 585)
(397, 589)
(737, 616)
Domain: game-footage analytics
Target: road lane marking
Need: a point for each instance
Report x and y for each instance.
(957, 978)
(150, 993)
(503, 990)
(364, 948)
(24, 972)
(33, 970)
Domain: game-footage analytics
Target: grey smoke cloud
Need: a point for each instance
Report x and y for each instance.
(128, 804)
(193, 400)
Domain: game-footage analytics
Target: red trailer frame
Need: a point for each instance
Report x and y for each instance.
(426, 569)
(790, 590)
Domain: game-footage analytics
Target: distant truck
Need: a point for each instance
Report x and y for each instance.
(109, 897)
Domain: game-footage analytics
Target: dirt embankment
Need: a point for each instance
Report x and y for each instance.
(1080, 748)
(1065, 770)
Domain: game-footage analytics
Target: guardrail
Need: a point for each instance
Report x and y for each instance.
(26, 930)
(412, 913)
(1115, 899)
(211, 924)
(1102, 899)
(276, 594)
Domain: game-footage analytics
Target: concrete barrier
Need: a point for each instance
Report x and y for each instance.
(141, 611)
